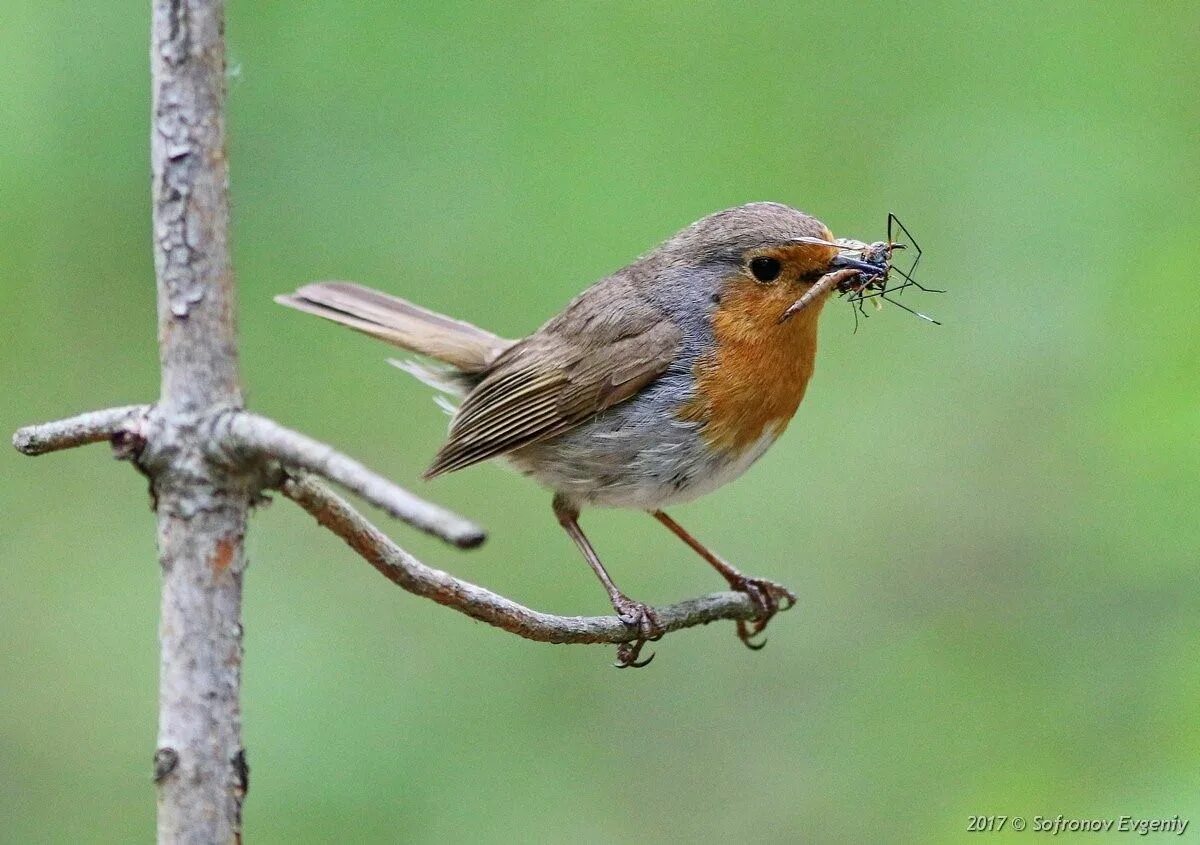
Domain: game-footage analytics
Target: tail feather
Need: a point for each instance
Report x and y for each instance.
(440, 377)
(399, 322)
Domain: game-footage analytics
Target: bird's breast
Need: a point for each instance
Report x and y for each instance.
(750, 383)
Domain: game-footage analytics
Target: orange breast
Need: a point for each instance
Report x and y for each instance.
(751, 383)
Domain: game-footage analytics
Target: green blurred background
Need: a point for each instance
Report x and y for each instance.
(991, 525)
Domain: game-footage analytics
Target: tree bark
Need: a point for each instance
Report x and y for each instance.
(200, 767)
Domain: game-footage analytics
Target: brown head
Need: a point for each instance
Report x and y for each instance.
(761, 257)
(751, 264)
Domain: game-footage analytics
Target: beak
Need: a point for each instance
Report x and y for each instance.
(844, 261)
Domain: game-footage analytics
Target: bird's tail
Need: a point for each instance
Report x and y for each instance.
(468, 349)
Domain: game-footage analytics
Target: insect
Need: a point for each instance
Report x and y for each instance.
(864, 270)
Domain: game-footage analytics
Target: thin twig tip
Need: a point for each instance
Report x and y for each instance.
(22, 441)
(471, 539)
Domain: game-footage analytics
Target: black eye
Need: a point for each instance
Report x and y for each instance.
(765, 269)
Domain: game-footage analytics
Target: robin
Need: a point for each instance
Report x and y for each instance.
(656, 385)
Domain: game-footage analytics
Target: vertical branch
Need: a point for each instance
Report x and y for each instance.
(196, 328)
(200, 768)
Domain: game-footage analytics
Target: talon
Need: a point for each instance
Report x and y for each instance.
(641, 618)
(745, 635)
(768, 598)
(627, 655)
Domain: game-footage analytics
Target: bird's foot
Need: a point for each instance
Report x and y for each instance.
(769, 598)
(641, 618)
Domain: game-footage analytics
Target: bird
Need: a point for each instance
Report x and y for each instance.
(654, 386)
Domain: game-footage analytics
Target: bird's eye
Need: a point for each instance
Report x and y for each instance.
(765, 269)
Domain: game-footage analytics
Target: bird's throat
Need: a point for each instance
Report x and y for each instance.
(750, 384)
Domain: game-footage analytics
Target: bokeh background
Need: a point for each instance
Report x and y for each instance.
(991, 525)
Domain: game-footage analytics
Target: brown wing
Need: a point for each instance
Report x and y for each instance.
(605, 347)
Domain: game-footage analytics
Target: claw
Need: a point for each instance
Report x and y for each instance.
(627, 655)
(745, 635)
(768, 598)
(641, 618)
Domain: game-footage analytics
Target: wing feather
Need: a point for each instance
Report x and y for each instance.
(574, 367)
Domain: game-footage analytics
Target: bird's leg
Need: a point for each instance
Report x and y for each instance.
(633, 613)
(768, 597)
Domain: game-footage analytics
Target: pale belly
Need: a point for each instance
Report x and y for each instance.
(634, 460)
(640, 453)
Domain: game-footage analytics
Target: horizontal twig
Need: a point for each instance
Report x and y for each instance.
(80, 430)
(403, 569)
(267, 439)
(244, 432)
(292, 449)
